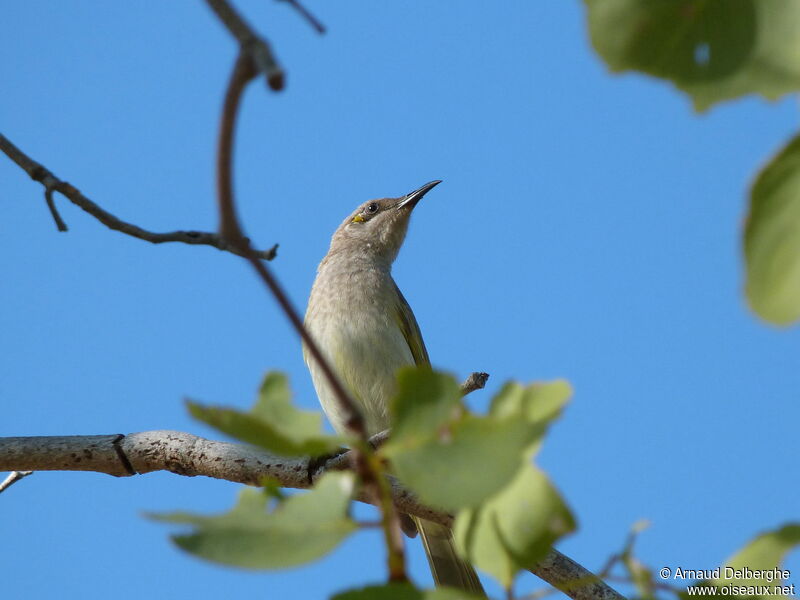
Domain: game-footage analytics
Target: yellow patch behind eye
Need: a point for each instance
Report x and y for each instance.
(358, 219)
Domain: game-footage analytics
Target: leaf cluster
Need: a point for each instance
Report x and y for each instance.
(478, 467)
(717, 50)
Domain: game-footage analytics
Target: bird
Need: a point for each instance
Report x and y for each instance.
(366, 330)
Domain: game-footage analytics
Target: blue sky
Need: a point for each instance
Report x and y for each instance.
(588, 227)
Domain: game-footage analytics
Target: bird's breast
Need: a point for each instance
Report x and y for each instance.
(351, 318)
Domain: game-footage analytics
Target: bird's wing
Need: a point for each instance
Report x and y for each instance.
(408, 325)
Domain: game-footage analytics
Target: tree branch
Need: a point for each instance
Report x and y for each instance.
(190, 455)
(306, 14)
(13, 478)
(476, 381)
(51, 184)
(250, 43)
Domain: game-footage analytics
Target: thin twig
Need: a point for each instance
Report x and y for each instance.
(51, 205)
(369, 524)
(13, 478)
(250, 43)
(476, 381)
(189, 455)
(626, 552)
(379, 439)
(510, 591)
(367, 465)
(306, 14)
(605, 571)
(51, 183)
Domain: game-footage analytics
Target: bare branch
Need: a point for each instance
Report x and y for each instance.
(51, 205)
(250, 43)
(566, 575)
(379, 439)
(13, 478)
(476, 381)
(306, 14)
(180, 453)
(190, 455)
(52, 183)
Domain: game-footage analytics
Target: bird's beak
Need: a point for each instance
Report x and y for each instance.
(410, 200)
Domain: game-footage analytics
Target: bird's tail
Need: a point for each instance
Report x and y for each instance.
(447, 567)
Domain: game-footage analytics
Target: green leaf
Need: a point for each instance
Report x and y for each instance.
(713, 50)
(425, 401)
(514, 528)
(537, 402)
(746, 569)
(302, 528)
(274, 423)
(274, 405)
(765, 552)
(464, 465)
(403, 591)
(772, 239)
(437, 450)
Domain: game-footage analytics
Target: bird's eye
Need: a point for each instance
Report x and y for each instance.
(372, 207)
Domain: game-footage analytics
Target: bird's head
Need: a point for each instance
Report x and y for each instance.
(378, 227)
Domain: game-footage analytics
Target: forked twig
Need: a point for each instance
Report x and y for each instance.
(51, 184)
(250, 43)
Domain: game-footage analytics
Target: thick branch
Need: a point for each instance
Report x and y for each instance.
(52, 184)
(190, 455)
